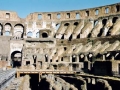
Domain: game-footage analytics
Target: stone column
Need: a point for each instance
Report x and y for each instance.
(70, 67)
(103, 58)
(18, 74)
(24, 31)
(3, 31)
(12, 31)
(71, 59)
(77, 58)
(86, 59)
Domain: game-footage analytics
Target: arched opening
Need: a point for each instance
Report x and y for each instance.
(77, 16)
(87, 13)
(117, 8)
(104, 21)
(39, 16)
(46, 58)
(106, 10)
(73, 58)
(58, 16)
(16, 58)
(18, 28)
(76, 23)
(29, 34)
(8, 28)
(81, 57)
(44, 35)
(108, 56)
(117, 56)
(66, 24)
(55, 67)
(114, 19)
(96, 12)
(100, 33)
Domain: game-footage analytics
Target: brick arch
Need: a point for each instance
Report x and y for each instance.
(7, 28)
(19, 28)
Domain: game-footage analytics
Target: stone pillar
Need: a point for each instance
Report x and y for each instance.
(103, 58)
(24, 31)
(70, 67)
(9, 63)
(12, 31)
(3, 31)
(40, 74)
(77, 58)
(34, 34)
(70, 58)
(86, 59)
(18, 74)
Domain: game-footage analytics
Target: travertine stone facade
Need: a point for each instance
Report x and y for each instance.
(66, 41)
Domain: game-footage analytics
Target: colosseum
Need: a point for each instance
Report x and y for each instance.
(67, 50)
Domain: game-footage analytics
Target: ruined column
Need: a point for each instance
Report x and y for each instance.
(103, 58)
(77, 58)
(86, 59)
(24, 31)
(3, 31)
(18, 74)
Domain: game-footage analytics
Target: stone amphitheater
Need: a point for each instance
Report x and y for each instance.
(67, 50)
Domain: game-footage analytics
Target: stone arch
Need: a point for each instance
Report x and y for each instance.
(114, 19)
(18, 28)
(66, 24)
(76, 23)
(81, 57)
(117, 56)
(107, 10)
(8, 29)
(96, 11)
(29, 34)
(16, 58)
(104, 21)
(77, 15)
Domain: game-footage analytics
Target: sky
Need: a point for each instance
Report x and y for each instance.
(25, 7)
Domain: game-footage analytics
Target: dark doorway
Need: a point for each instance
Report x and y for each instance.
(27, 62)
(44, 35)
(55, 67)
(16, 59)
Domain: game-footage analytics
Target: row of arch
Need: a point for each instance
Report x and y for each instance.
(88, 12)
(9, 30)
(76, 23)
